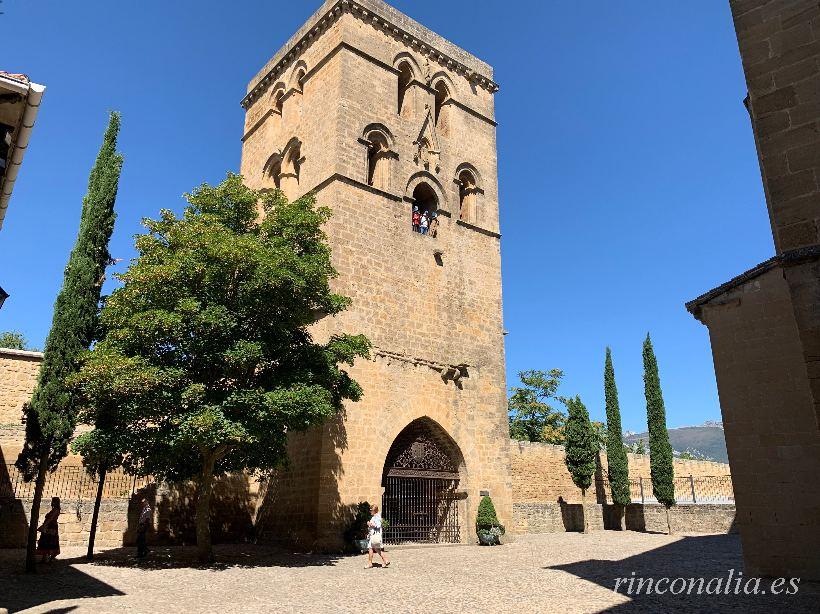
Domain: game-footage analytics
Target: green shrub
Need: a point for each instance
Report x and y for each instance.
(486, 520)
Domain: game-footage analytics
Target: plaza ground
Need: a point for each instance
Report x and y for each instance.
(559, 572)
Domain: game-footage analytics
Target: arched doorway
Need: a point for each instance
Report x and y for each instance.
(420, 480)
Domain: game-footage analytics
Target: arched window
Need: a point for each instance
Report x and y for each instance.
(405, 77)
(467, 196)
(442, 95)
(300, 79)
(425, 208)
(378, 160)
(289, 174)
(271, 174)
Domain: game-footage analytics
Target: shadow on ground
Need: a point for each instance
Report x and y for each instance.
(65, 579)
(55, 581)
(226, 555)
(705, 556)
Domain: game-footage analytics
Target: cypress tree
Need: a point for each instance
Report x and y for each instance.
(581, 449)
(660, 450)
(50, 416)
(617, 463)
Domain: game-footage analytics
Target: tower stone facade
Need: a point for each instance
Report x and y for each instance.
(764, 325)
(377, 115)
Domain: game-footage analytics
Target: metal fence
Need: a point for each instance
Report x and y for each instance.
(70, 482)
(713, 489)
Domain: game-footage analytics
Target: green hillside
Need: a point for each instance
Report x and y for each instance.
(707, 439)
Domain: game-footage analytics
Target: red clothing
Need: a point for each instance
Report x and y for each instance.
(416, 218)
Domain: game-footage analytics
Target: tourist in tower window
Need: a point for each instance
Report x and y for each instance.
(425, 223)
(433, 230)
(416, 218)
(374, 539)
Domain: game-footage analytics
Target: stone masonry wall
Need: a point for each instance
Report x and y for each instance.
(18, 375)
(771, 433)
(540, 475)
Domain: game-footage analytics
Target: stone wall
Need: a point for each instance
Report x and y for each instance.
(559, 517)
(540, 475)
(18, 375)
(75, 521)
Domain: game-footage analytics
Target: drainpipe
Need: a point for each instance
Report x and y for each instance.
(33, 98)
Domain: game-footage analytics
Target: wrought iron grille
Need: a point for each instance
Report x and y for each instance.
(421, 510)
(70, 482)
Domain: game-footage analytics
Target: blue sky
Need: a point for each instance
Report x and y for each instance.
(628, 177)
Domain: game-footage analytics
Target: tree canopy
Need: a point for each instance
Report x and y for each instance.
(14, 340)
(581, 444)
(617, 463)
(214, 362)
(531, 416)
(660, 450)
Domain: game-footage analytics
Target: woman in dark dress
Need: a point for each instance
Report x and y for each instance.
(49, 544)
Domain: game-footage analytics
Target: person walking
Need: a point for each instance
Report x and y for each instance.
(143, 524)
(49, 544)
(374, 539)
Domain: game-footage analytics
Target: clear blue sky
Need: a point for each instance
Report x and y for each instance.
(628, 177)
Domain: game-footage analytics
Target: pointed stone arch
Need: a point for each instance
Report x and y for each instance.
(422, 472)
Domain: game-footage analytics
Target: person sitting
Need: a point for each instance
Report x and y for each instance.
(416, 219)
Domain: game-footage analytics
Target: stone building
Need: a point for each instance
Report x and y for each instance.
(377, 115)
(764, 325)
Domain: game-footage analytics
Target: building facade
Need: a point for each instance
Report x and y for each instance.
(380, 117)
(764, 325)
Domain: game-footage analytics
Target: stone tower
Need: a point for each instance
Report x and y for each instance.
(764, 324)
(378, 115)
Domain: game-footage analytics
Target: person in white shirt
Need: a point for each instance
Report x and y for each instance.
(374, 537)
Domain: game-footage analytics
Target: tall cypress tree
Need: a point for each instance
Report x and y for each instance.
(581, 449)
(50, 416)
(617, 463)
(660, 450)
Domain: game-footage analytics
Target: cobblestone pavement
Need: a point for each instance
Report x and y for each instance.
(563, 572)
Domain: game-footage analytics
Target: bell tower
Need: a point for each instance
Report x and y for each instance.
(392, 127)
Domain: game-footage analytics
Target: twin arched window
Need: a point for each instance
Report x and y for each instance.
(283, 170)
(378, 160)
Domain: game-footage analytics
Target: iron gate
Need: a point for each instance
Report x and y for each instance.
(420, 501)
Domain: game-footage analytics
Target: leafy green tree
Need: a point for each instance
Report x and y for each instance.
(13, 340)
(110, 391)
(50, 416)
(617, 463)
(213, 317)
(581, 449)
(531, 416)
(660, 450)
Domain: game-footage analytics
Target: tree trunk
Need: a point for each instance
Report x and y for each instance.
(668, 521)
(203, 509)
(584, 509)
(94, 517)
(622, 517)
(34, 521)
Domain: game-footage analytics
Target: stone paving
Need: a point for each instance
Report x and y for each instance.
(560, 572)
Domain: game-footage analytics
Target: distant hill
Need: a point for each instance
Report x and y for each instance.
(708, 439)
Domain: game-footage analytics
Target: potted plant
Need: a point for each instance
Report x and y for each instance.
(356, 533)
(487, 527)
